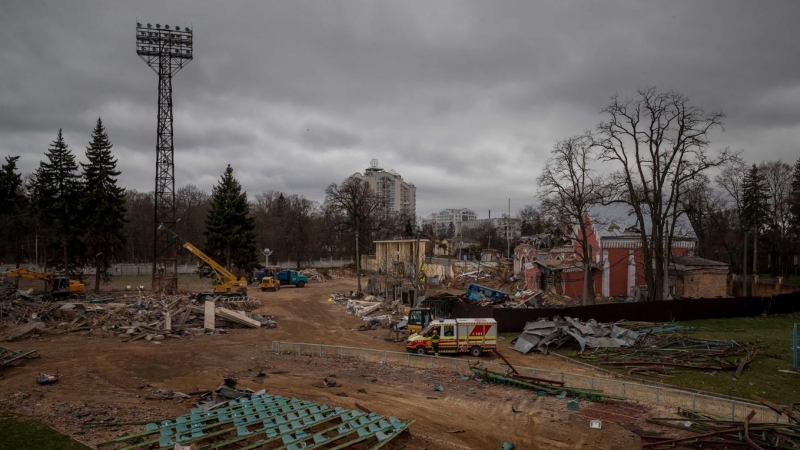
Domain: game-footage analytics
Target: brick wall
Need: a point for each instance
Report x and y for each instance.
(700, 283)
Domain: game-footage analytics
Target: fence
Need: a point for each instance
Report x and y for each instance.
(511, 320)
(659, 396)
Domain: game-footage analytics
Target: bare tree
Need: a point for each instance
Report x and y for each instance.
(568, 188)
(353, 206)
(659, 143)
(778, 176)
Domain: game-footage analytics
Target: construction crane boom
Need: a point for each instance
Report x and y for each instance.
(228, 284)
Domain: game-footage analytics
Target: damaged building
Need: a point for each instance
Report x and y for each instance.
(616, 262)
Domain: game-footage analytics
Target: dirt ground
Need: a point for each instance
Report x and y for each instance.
(103, 379)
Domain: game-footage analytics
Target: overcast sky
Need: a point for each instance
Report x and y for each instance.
(464, 99)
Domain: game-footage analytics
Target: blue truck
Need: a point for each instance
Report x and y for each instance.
(292, 277)
(476, 293)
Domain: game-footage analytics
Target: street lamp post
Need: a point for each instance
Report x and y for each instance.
(266, 253)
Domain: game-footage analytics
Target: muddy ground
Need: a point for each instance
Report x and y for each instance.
(103, 378)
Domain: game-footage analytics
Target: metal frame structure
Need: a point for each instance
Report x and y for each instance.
(166, 51)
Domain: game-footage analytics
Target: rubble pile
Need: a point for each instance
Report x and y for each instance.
(547, 335)
(128, 317)
(642, 348)
(313, 275)
(372, 310)
(661, 349)
(348, 271)
(713, 432)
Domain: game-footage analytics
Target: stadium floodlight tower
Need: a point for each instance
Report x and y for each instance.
(166, 51)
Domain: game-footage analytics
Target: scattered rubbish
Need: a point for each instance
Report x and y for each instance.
(329, 383)
(456, 431)
(260, 420)
(723, 433)
(508, 446)
(224, 393)
(573, 405)
(8, 356)
(341, 394)
(514, 410)
(439, 388)
(595, 424)
(656, 354)
(44, 378)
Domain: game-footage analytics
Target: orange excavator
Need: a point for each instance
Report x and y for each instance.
(55, 285)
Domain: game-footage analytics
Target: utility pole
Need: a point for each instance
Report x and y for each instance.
(358, 260)
(744, 267)
(755, 252)
(508, 229)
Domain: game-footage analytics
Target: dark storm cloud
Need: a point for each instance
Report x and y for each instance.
(464, 99)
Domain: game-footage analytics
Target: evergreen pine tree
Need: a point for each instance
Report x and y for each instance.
(755, 206)
(103, 205)
(56, 192)
(13, 205)
(230, 231)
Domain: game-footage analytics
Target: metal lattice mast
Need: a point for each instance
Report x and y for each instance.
(166, 52)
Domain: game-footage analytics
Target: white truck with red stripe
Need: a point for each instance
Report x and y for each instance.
(473, 336)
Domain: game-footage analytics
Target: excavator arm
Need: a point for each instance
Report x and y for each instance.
(25, 273)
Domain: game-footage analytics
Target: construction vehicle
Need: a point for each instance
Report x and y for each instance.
(291, 277)
(268, 281)
(418, 318)
(226, 285)
(473, 336)
(55, 285)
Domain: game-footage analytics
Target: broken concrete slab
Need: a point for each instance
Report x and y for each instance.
(209, 318)
(237, 317)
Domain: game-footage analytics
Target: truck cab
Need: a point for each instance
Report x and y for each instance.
(418, 318)
(473, 336)
(292, 277)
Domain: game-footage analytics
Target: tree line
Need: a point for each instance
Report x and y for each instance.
(653, 148)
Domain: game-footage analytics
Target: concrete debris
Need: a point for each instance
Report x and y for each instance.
(374, 311)
(130, 317)
(546, 335)
(313, 275)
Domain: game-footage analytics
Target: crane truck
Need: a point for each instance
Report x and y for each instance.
(55, 285)
(226, 285)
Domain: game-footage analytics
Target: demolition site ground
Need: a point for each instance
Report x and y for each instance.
(102, 379)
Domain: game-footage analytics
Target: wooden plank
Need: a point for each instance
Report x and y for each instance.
(168, 322)
(235, 316)
(209, 317)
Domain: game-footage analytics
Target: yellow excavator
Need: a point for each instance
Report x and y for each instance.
(55, 285)
(226, 285)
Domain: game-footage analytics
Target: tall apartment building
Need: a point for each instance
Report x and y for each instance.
(457, 216)
(396, 195)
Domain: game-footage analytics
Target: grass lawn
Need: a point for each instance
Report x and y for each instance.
(24, 433)
(761, 377)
